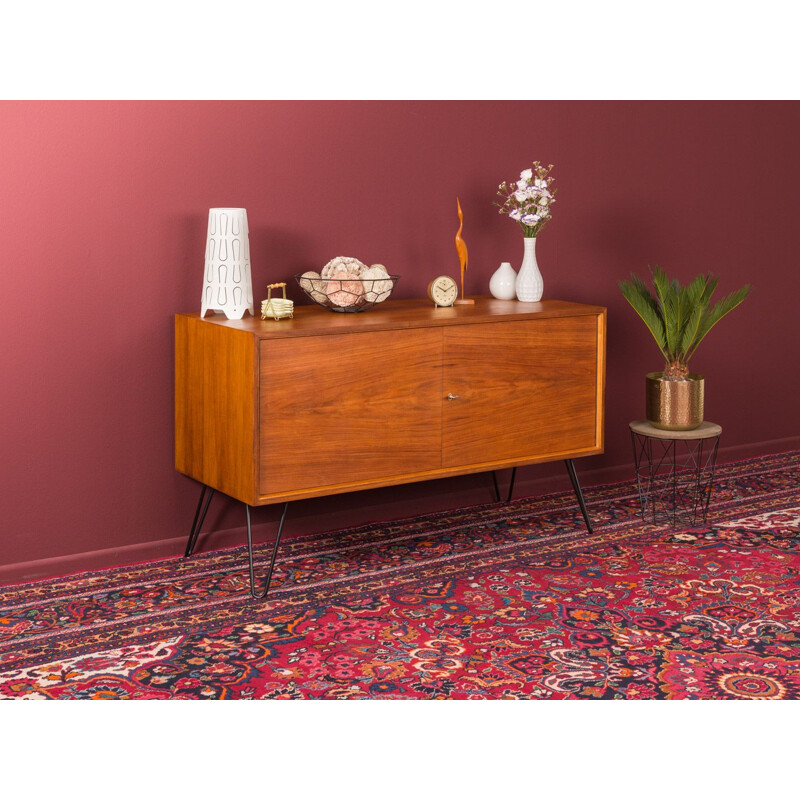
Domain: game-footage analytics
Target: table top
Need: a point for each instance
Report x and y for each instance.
(311, 320)
(707, 430)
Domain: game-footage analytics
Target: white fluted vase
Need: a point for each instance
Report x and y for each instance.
(228, 286)
(529, 284)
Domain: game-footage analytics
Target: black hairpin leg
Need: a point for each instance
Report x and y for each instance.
(253, 591)
(199, 518)
(573, 476)
(511, 485)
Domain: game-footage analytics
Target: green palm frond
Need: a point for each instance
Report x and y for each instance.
(678, 316)
(712, 317)
(694, 305)
(691, 329)
(662, 287)
(711, 285)
(643, 303)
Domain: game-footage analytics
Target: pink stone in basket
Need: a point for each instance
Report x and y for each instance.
(344, 291)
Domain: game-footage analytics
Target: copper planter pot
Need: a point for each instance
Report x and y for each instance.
(675, 405)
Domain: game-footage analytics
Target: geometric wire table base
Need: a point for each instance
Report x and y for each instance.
(674, 475)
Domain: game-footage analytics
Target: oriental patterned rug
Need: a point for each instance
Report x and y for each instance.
(493, 601)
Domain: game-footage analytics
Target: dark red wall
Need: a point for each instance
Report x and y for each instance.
(103, 209)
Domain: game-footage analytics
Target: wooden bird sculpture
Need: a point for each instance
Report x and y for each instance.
(461, 249)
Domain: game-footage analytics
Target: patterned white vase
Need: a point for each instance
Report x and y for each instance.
(228, 285)
(529, 280)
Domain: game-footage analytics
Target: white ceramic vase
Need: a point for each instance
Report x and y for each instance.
(529, 286)
(502, 284)
(228, 286)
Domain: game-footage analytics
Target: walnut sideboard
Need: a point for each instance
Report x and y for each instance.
(273, 411)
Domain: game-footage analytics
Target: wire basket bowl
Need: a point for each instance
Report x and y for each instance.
(347, 294)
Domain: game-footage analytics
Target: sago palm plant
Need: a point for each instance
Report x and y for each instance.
(679, 317)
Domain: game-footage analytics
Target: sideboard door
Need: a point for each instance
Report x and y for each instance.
(348, 408)
(519, 390)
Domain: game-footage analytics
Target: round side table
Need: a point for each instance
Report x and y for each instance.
(674, 471)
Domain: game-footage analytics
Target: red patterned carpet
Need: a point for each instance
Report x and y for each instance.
(493, 601)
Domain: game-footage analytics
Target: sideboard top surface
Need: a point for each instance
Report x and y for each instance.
(399, 314)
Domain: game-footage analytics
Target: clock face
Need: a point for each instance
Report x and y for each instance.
(443, 290)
